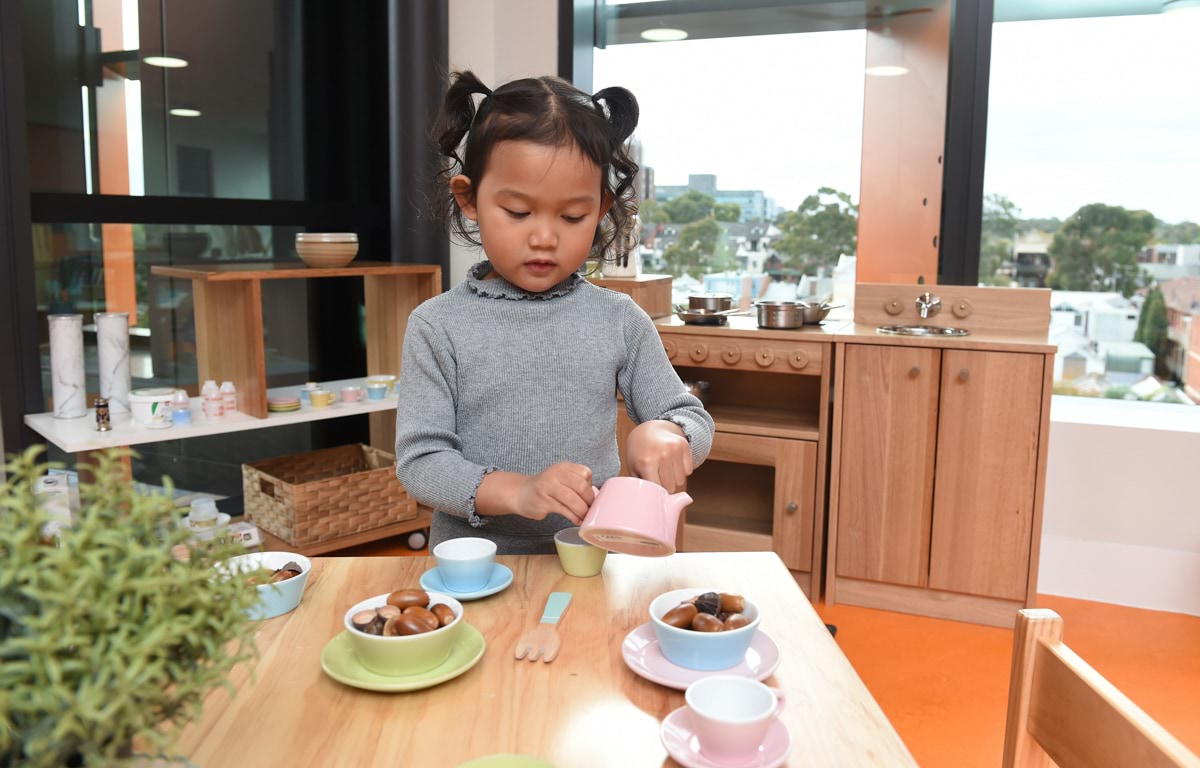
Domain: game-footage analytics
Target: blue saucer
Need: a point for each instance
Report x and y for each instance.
(501, 577)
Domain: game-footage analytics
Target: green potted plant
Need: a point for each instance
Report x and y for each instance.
(112, 630)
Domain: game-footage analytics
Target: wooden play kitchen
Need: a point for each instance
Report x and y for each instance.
(893, 471)
(587, 708)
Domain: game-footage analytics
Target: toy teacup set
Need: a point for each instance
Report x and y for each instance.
(703, 641)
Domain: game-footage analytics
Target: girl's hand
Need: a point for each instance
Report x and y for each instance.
(564, 489)
(658, 452)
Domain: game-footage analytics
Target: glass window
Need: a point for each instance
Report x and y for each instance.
(162, 97)
(1089, 191)
(744, 173)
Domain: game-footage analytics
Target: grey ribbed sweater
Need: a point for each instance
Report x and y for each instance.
(494, 377)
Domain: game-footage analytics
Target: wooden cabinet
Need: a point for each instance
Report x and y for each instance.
(763, 485)
(935, 504)
(889, 434)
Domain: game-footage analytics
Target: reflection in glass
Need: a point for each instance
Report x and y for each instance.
(162, 97)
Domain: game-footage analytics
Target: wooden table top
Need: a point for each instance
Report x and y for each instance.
(587, 708)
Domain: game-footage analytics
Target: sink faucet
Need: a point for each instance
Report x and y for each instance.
(928, 305)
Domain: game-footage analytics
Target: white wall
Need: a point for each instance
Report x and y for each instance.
(1122, 514)
(500, 42)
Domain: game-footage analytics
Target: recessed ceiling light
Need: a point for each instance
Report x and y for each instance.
(1181, 5)
(184, 112)
(886, 70)
(664, 35)
(166, 62)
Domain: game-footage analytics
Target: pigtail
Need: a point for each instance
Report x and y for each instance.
(613, 240)
(457, 113)
(622, 111)
(454, 120)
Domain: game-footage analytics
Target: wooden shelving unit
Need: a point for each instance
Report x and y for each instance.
(767, 422)
(229, 324)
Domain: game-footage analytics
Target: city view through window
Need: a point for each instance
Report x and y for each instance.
(752, 180)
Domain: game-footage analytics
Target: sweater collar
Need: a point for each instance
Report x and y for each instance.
(499, 288)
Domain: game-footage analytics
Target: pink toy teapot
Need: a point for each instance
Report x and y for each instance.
(633, 516)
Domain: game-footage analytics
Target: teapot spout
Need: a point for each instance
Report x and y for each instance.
(673, 505)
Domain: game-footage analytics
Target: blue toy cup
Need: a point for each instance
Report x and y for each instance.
(465, 565)
(376, 391)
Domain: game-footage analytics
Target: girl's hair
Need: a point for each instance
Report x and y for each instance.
(545, 110)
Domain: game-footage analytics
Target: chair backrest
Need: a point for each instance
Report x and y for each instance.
(1062, 712)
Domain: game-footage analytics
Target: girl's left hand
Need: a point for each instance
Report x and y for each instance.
(657, 451)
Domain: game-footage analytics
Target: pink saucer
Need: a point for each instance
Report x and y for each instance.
(643, 655)
(682, 744)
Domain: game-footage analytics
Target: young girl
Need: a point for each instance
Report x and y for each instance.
(507, 393)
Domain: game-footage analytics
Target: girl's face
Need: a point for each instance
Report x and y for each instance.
(537, 208)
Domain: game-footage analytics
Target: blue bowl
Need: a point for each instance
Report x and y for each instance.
(705, 651)
(273, 599)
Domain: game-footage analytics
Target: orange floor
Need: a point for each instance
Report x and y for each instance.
(944, 684)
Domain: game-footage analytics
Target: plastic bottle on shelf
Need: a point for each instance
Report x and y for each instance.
(181, 408)
(229, 396)
(214, 403)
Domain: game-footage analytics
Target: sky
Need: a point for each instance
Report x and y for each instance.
(1080, 111)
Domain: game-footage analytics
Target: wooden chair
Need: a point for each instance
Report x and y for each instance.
(1062, 712)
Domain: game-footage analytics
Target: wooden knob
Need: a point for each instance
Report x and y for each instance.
(964, 374)
(731, 354)
(698, 352)
(893, 306)
(764, 356)
(798, 359)
(916, 371)
(792, 507)
(670, 347)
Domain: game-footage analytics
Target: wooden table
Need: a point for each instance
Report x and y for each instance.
(585, 709)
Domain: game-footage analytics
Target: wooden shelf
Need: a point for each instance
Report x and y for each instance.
(422, 520)
(767, 422)
(229, 323)
(78, 435)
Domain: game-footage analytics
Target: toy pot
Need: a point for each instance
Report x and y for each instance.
(635, 517)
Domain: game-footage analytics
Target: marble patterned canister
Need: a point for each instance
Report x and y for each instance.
(68, 386)
(112, 348)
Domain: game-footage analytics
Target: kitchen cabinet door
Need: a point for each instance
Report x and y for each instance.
(889, 428)
(987, 459)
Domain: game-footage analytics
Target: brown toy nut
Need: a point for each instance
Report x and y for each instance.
(709, 602)
(388, 611)
(681, 616)
(736, 621)
(367, 621)
(444, 614)
(732, 603)
(706, 622)
(405, 598)
(423, 615)
(404, 625)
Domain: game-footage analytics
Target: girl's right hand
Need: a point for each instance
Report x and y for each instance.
(564, 489)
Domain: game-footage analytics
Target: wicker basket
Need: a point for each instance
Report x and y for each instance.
(315, 497)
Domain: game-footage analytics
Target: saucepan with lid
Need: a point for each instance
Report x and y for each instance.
(714, 302)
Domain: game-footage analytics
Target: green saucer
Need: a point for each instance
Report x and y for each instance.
(341, 663)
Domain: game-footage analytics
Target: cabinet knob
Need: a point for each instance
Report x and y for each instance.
(698, 352)
(670, 347)
(964, 374)
(792, 507)
(915, 371)
(764, 356)
(731, 354)
(798, 359)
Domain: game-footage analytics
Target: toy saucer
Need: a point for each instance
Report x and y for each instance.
(339, 661)
(643, 655)
(501, 577)
(683, 745)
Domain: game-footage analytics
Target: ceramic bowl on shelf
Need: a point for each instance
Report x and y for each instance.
(327, 250)
(402, 655)
(708, 651)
